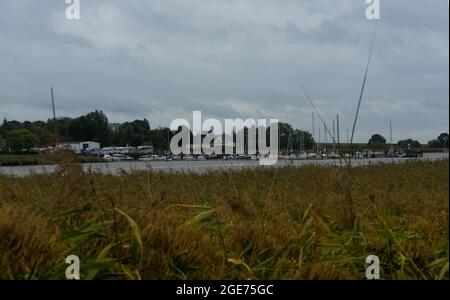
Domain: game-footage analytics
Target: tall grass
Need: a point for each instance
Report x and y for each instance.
(280, 223)
(45, 159)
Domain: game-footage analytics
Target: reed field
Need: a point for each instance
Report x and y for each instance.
(309, 222)
(43, 159)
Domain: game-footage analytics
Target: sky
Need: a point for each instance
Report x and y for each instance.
(163, 59)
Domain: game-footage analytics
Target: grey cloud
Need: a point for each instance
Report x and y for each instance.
(162, 59)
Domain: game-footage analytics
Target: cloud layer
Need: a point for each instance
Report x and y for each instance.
(162, 59)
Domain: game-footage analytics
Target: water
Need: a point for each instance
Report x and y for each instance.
(199, 166)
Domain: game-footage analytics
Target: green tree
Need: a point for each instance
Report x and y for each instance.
(409, 143)
(62, 128)
(443, 140)
(133, 134)
(295, 139)
(91, 127)
(377, 141)
(160, 139)
(440, 142)
(434, 144)
(9, 126)
(40, 130)
(285, 136)
(22, 139)
(302, 140)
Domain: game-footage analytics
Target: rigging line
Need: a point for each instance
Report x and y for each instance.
(317, 112)
(364, 84)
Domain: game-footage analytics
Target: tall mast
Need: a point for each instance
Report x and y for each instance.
(292, 140)
(313, 129)
(320, 137)
(338, 132)
(54, 116)
(168, 140)
(334, 137)
(302, 138)
(390, 135)
(363, 85)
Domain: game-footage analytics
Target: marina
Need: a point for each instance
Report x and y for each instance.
(202, 166)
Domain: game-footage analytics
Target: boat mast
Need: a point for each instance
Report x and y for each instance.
(313, 131)
(54, 116)
(302, 141)
(334, 137)
(338, 133)
(291, 150)
(363, 85)
(320, 136)
(390, 137)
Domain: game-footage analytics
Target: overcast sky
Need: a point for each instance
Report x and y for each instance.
(162, 59)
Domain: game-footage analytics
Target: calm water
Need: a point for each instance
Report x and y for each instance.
(199, 166)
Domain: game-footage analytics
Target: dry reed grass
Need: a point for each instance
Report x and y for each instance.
(289, 223)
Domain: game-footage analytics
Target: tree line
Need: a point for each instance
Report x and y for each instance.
(17, 136)
(94, 126)
(378, 141)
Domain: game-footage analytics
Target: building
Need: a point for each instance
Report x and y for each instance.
(118, 150)
(80, 147)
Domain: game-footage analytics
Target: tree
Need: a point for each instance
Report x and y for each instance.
(285, 136)
(434, 144)
(302, 140)
(91, 127)
(294, 139)
(443, 140)
(440, 142)
(9, 126)
(377, 141)
(62, 128)
(132, 133)
(160, 139)
(22, 139)
(409, 143)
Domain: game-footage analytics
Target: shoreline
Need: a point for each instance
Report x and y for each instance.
(18, 160)
(201, 167)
